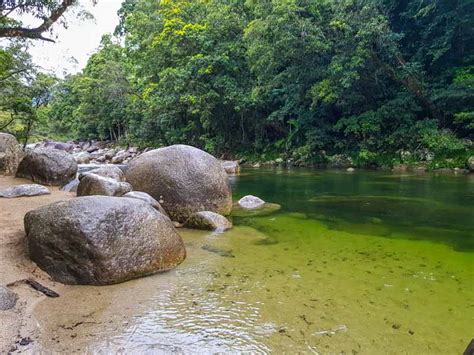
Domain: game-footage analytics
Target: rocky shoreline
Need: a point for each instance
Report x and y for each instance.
(118, 221)
(104, 152)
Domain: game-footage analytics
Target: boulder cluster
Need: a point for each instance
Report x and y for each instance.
(94, 152)
(122, 223)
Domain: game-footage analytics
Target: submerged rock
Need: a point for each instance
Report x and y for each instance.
(24, 190)
(10, 154)
(183, 179)
(208, 220)
(218, 251)
(100, 240)
(48, 167)
(92, 184)
(147, 198)
(108, 171)
(8, 298)
(251, 202)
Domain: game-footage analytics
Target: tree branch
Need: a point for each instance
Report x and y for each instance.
(36, 33)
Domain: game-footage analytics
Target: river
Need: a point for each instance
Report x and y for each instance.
(363, 262)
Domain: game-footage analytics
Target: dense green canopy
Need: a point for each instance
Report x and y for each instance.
(300, 79)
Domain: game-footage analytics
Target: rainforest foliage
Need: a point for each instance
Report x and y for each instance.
(380, 81)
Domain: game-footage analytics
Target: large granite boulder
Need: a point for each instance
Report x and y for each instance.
(100, 240)
(10, 154)
(208, 220)
(109, 171)
(183, 179)
(92, 184)
(24, 190)
(48, 167)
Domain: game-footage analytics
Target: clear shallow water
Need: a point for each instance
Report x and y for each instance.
(367, 262)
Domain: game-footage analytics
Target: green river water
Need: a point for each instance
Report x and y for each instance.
(364, 262)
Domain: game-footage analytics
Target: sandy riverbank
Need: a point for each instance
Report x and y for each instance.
(18, 323)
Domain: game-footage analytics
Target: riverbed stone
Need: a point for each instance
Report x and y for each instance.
(24, 190)
(251, 202)
(108, 171)
(231, 166)
(83, 158)
(8, 298)
(101, 240)
(71, 186)
(183, 179)
(148, 199)
(48, 167)
(92, 184)
(208, 220)
(10, 154)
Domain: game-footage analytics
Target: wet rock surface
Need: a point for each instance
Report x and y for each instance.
(92, 184)
(183, 179)
(101, 240)
(207, 220)
(8, 298)
(10, 154)
(48, 167)
(24, 190)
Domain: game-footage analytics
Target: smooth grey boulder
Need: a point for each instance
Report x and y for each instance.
(92, 184)
(231, 166)
(83, 158)
(67, 147)
(183, 179)
(108, 171)
(48, 167)
(24, 190)
(208, 220)
(101, 240)
(251, 202)
(148, 199)
(10, 154)
(8, 298)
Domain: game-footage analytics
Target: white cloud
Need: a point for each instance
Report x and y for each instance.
(78, 41)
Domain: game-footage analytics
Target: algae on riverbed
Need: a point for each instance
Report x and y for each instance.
(302, 279)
